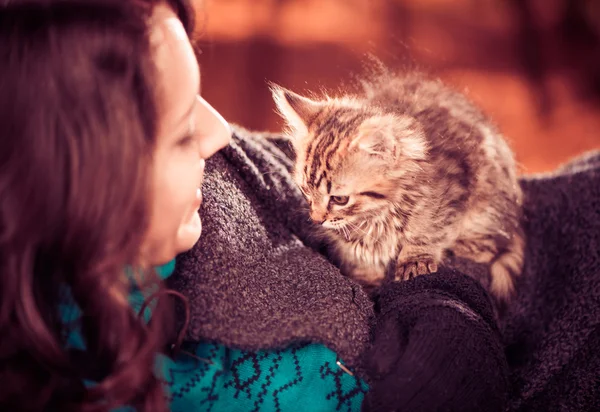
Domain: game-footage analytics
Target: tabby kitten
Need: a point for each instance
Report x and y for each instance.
(407, 171)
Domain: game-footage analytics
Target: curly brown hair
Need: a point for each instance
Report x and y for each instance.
(78, 126)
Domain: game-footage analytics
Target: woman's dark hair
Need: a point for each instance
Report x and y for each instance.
(77, 130)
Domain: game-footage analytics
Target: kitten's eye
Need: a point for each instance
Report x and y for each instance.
(339, 200)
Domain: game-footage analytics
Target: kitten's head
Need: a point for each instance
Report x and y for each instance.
(351, 159)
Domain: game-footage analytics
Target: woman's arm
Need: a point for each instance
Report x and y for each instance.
(436, 347)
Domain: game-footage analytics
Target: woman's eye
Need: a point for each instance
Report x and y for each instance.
(339, 200)
(186, 140)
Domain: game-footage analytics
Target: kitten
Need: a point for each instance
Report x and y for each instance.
(403, 173)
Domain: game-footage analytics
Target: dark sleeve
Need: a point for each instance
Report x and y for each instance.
(436, 347)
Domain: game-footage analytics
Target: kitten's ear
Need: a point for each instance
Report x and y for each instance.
(390, 136)
(375, 137)
(298, 111)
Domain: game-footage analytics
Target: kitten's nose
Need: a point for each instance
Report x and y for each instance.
(317, 217)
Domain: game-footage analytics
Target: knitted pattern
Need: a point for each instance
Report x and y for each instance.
(300, 377)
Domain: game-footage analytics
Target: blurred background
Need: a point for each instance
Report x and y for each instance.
(532, 65)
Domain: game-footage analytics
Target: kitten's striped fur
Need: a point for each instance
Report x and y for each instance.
(404, 172)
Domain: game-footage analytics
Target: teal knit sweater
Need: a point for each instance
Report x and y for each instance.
(212, 377)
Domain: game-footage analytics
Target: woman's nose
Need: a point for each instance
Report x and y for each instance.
(215, 131)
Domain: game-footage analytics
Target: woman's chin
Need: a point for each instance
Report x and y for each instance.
(189, 233)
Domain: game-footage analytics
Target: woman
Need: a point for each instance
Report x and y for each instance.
(100, 118)
(104, 142)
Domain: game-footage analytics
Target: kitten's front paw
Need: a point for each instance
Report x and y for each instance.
(420, 265)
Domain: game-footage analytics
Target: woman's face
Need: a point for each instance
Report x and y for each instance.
(189, 131)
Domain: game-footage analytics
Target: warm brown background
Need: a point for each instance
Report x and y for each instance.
(533, 65)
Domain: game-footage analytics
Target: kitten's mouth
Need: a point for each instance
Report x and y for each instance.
(335, 224)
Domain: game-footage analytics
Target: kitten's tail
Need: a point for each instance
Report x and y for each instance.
(507, 266)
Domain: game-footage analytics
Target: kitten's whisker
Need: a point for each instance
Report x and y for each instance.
(368, 236)
(357, 228)
(346, 232)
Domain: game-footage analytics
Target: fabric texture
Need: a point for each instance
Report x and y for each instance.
(436, 347)
(551, 329)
